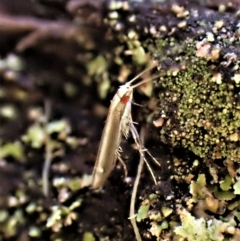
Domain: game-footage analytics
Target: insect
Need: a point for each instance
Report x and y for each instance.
(119, 122)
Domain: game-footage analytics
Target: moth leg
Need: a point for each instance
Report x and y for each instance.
(132, 215)
(141, 149)
(139, 143)
(134, 103)
(119, 150)
(124, 166)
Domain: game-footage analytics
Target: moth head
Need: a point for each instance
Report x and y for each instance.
(125, 94)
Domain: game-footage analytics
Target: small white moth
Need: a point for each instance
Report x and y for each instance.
(119, 122)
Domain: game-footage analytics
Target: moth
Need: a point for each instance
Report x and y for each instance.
(119, 122)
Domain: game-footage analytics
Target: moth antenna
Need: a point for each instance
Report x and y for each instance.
(145, 80)
(143, 72)
(134, 103)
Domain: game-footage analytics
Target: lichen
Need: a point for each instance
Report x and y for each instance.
(143, 211)
(202, 230)
(236, 187)
(15, 150)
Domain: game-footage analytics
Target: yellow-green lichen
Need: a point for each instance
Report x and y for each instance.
(202, 230)
(15, 150)
(143, 211)
(87, 236)
(226, 184)
(236, 187)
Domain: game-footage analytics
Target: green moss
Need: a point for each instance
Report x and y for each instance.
(198, 97)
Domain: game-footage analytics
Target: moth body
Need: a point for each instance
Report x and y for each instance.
(119, 122)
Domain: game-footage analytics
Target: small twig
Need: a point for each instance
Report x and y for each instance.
(48, 150)
(37, 31)
(134, 192)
